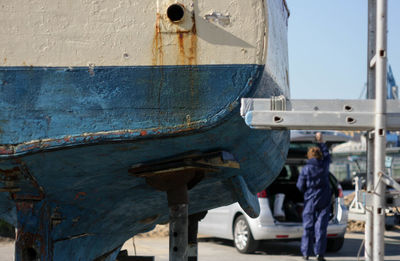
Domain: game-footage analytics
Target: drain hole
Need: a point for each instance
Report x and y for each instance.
(350, 120)
(278, 119)
(175, 13)
(348, 108)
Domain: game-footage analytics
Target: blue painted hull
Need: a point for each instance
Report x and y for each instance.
(50, 103)
(71, 135)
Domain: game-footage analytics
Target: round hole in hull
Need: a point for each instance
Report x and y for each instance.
(175, 13)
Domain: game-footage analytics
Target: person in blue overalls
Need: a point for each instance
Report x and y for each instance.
(313, 181)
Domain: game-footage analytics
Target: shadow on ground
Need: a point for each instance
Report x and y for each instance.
(292, 248)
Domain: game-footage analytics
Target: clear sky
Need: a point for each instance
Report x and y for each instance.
(328, 47)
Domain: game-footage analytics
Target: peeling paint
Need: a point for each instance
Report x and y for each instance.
(80, 195)
(89, 138)
(91, 67)
(217, 17)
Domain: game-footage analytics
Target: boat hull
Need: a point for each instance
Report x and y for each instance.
(74, 120)
(100, 205)
(41, 105)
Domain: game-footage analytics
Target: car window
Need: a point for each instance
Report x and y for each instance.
(289, 172)
(295, 171)
(299, 168)
(285, 173)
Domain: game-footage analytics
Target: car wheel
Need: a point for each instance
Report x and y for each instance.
(334, 244)
(243, 239)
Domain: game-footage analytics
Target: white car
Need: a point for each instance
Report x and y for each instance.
(231, 222)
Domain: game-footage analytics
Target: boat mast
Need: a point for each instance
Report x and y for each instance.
(380, 130)
(370, 138)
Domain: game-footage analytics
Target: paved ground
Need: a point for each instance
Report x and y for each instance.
(222, 250)
(6, 250)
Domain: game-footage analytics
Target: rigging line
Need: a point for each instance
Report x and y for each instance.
(134, 245)
(359, 250)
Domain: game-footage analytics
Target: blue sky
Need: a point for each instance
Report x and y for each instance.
(328, 47)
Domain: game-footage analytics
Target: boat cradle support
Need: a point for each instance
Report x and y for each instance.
(33, 241)
(37, 218)
(176, 176)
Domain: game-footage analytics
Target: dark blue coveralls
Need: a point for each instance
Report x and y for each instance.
(314, 183)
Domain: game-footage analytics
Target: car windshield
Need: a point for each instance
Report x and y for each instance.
(290, 172)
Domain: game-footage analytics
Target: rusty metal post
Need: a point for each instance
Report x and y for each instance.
(178, 232)
(192, 238)
(178, 223)
(193, 230)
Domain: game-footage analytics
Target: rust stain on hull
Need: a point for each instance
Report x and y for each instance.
(157, 48)
(193, 45)
(175, 44)
(183, 42)
(187, 43)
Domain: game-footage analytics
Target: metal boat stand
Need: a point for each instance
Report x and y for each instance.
(176, 176)
(356, 205)
(192, 236)
(363, 200)
(123, 256)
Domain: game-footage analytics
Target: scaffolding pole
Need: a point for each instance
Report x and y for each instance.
(370, 139)
(378, 115)
(380, 131)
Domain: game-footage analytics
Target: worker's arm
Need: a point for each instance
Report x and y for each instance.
(301, 181)
(325, 152)
(324, 149)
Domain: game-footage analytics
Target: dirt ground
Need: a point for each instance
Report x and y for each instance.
(149, 244)
(155, 243)
(211, 249)
(358, 226)
(158, 231)
(349, 198)
(163, 230)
